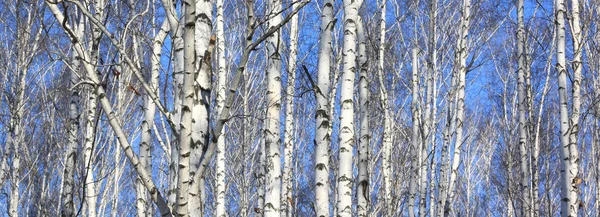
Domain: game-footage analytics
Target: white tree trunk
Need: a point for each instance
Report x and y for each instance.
(523, 122)
(185, 133)
(460, 103)
(90, 134)
(289, 136)
(74, 115)
(414, 165)
(577, 67)
(323, 116)
(176, 27)
(272, 121)
(346, 133)
(566, 208)
(201, 99)
(362, 193)
(88, 149)
(221, 82)
(143, 203)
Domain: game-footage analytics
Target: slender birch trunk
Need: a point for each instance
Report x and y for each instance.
(323, 116)
(346, 135)
(185, 133)
(289, 136)
(88, 149)
(428, 126)
(388, 121)
(568, 193)
(447, 135)
(414, 165)
(460, 103)
(260, 179)
(362, 193)
(221, 82)
(577, 67)
(523, 122)
(90, 135)
(143, 203)
(74, 115)
(176, 32)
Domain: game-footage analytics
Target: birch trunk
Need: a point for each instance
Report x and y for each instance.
(577, 67)
(428, 127)
(201, 99)
(445, 159)
(176, 27)
(289, 136)
(272, 121)
(323, 116)
(460, 103)
(567, 206)
(221, 146)
(523, 122)
(185, 133)
(90, 135)
(362, 193)
(143, 203)
(88, 149)
(414, 165)
(346, 135)
(69, 172)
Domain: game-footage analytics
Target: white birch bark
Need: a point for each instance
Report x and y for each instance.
(143, 203)
(176, 32)
(567, 207)
(346, 133)
(289, 136)
(577, 67)
(362, 193)
(260, 178)
(88, 149)
(460, 103)
(74, 115)
(221, 82)
(447, 135)
(90, 128)
(522, 107)
(201, 99)
(272, 120)
(185, 133)
(323, 117)
(428, 125)
(414, 165)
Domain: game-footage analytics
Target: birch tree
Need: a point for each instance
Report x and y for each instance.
(414, 165)
(568, 125)
(222, 79)
(346, 135)
(364, 137)
(289, 136)
(462, 54)
(74, 116)
(323, 116)
(523, 122)
(272, 205)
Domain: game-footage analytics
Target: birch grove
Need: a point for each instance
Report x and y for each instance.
(299, 108)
